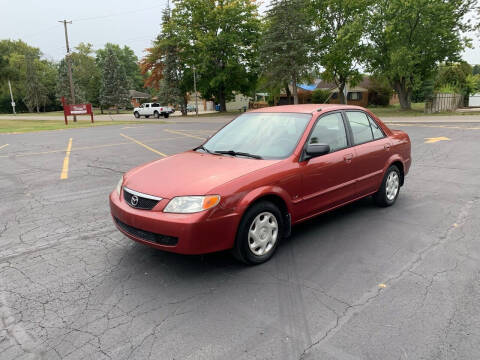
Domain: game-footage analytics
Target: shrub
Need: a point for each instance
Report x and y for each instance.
(320, 96)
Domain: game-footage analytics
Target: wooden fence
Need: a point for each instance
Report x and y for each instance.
(444, 102)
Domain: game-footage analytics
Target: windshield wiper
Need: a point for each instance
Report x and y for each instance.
(201, 147)
(235, 153)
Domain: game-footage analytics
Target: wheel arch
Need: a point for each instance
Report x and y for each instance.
(275, 195)
(399, 164)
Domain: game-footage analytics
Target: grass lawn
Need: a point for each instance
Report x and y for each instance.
(23, 126)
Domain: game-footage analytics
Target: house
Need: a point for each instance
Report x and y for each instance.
(357, 95)
(240, 102)
(137, 97)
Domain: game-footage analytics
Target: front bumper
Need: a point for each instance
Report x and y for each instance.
(198, 233)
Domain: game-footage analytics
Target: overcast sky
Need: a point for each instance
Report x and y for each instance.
(133, 23)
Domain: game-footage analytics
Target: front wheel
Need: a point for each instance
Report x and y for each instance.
(136, 114)
(390, 188)
(156, 115)
(259, 233)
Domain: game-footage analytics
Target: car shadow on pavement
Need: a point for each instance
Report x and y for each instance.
(307, 233)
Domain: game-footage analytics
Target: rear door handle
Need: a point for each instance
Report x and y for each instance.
(348, 158)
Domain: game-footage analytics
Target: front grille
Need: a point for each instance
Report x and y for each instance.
(147, 235)
(143, 203)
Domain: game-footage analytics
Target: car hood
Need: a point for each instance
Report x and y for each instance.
(190, 173)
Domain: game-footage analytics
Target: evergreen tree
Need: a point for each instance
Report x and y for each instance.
(63, 85)
(286, 45)
(113, 91)
(127, 59)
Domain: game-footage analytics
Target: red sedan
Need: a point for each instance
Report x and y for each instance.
(263, 172)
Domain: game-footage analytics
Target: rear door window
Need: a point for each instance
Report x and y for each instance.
(377, 131)
(360, 125)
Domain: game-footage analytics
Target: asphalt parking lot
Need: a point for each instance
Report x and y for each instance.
(359, 283)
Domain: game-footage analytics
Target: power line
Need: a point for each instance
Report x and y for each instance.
(117, 14)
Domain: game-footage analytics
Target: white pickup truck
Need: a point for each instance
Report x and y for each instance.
(152, 109)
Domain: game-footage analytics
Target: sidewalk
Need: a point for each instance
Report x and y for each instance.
(454, 118)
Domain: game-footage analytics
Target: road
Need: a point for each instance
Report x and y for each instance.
(359, 283)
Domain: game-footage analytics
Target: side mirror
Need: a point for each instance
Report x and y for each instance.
(314, 150)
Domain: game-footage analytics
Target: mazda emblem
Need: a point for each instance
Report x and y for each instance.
(134, 200)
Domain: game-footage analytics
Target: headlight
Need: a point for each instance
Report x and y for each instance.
(119, 186)
(191, 204)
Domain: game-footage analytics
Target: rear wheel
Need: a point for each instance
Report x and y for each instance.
(390, 188)
(259, 233)
(136, 114)
(166, 115)
(156, 115)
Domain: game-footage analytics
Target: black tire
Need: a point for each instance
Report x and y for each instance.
(156, 115)
(380, 197)
(136, 114)
(166, 115)
(241, 249)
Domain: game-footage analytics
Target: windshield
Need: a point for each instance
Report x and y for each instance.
(266, 135)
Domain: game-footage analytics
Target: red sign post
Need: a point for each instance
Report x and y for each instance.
(78, 109)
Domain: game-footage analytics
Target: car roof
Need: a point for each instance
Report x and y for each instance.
(305, 108)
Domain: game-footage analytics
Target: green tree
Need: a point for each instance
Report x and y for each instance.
(476, 70)
(113, 91)
(86, 73)
(36, 93)
(63, 85)
(409, 38)
(219, 38)
(165, 67)
(127, 59)
(286, 45)
(453, 75)
(340, 27)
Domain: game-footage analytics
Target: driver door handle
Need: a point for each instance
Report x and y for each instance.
(348, 158)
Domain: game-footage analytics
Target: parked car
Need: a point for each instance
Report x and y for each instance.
(152, 109)
(265, 171)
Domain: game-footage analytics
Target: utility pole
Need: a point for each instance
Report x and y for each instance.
(69, 65)
(11, 97)
(195, 89)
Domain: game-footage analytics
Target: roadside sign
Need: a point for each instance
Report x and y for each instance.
(76, 109)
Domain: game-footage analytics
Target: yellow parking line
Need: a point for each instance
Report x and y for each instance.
(184, 134)
(1, 147)
(64, 174)
(83, 148)
(145, 146)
